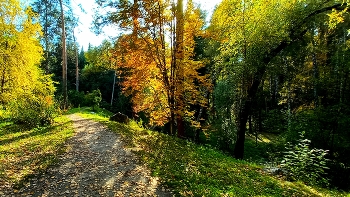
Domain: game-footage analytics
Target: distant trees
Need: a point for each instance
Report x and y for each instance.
(48, 13)
(58, 23)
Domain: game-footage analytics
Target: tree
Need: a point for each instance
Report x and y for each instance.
(76, 65)
(20, 49)
(25, 92)
(161, 76)
(252, 44)
(55, 15)
(48, 12)
(64, 59)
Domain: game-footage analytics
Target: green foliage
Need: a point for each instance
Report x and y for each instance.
(263, 152)
(327, 128)
(32, 111)
(224, 123)
(275, 121)
(36, 107)
(100, 57)
(24, 151)
(76, 98)
(99, 112)
(305, 164)
(93, 99)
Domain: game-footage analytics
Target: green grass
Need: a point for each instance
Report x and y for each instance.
(24, 152)
(192, 170)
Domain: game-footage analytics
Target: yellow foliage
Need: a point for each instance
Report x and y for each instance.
(336, 17)
(20, 50)
(147, 65)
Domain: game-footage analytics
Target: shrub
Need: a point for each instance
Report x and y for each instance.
(305, 164)
(32, 111)
(93, 99)
(34, 106)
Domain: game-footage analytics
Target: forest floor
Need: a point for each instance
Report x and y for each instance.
(96, 163)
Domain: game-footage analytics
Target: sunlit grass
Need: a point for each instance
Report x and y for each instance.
(24, 152)
(192, 170)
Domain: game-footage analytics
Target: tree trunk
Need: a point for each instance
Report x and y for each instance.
(3, 80)
(296, 33)
(242, 123)
(314, 69)
(259, 129)
(46, 38)
(76, 65)
(179, 57)
(115, 73)
(250, 124)
(64, 61)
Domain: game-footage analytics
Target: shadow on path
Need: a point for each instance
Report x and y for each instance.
(96, 164)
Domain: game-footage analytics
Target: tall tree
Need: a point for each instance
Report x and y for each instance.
(179, 66)
(48, 11)
(253, 44)
(64, 59)
(20, 50)
(160, 75)
(25, 92)
(76, 64)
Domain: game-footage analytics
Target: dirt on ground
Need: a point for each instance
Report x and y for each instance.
(96, 164)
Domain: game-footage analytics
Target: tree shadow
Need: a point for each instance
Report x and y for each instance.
(96, 164)
(14, 128)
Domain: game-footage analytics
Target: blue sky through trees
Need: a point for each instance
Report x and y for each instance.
(84, 10)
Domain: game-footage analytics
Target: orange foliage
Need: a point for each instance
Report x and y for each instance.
(146, 62)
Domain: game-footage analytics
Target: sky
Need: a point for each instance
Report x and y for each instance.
(85, 35)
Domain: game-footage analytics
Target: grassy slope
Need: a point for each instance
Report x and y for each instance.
(192, 170)
(24, 152)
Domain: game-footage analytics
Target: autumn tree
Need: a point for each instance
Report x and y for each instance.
(24, 91)
(161, 76)
(251, 36)
(20, 50)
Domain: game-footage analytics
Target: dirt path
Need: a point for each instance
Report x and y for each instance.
(96, 164)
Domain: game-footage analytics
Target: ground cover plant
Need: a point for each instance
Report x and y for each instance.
(24, 152)
(193, 170)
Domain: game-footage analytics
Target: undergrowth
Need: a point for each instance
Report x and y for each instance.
(193, 170)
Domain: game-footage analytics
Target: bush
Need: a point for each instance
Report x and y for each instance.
(305, 164)
(90, 99)
(34, 106)
(93, 99)
(32, 111)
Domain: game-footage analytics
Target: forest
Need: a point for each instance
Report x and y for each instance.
(263, 81)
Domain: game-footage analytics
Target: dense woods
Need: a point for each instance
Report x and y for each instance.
(265, 81)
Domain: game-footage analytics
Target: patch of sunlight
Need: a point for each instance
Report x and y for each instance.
(300, 186)
(110, 182)
(264, 139)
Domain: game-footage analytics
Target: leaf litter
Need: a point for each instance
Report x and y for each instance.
(96, 164)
